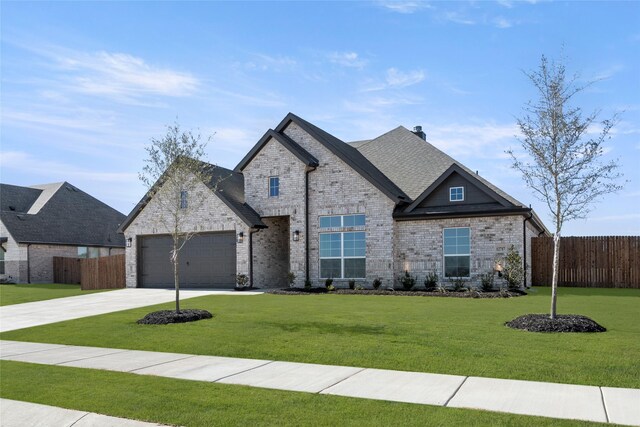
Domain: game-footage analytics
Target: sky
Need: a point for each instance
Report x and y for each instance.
(86, 85)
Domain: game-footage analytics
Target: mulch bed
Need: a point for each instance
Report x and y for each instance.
(420, 293)
(562, 323)
(164, 317)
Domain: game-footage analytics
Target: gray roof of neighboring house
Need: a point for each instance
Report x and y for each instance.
(412, 163)
(68, 216)
(228, 186)
(350, 156)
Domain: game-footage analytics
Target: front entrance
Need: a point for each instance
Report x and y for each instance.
(271, 253)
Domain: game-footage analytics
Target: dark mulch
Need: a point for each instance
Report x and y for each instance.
(420, 293)
(164, 317)
(562, 323)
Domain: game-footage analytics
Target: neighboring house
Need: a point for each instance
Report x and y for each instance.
(43, 221)
(304, 201)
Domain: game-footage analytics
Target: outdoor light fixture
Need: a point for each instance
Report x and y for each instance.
(498, 267)
(129, 242)
(240, 237)
(296, 235)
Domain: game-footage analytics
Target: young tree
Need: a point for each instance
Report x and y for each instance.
(562, 162)
(173, 173)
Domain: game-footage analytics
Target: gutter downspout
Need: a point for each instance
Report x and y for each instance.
(306, 220)
(251, 232)
(28, 264)
(524, 245)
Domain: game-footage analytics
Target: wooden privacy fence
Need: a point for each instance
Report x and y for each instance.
(92, 273)
(591, 262)
(66, 270)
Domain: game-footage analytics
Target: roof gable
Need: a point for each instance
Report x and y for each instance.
(287, 142)
(225, 184)
(352, 157)
(456, 169)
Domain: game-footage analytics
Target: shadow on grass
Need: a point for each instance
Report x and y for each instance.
(329, 328)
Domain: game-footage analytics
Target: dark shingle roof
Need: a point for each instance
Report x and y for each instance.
(68, 217)
(228, 186)
(350, 156)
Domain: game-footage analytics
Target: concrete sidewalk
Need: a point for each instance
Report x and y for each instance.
(38, 313)
(14, 413)
(579, 402)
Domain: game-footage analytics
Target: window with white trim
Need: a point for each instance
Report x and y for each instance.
(457, 252)
(456, 194)
(183, 199)
(343, 251)
(274, 186)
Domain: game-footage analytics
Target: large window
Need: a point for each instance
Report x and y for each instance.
(274, 186)
(343, 253)
(85, 252)
(457, 252)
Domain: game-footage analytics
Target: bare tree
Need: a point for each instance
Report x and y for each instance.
(174, 173)
(562, 162)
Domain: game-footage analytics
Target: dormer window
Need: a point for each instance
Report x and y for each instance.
(456, 194)
(274, 186)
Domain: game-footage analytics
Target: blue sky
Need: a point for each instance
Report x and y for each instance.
(85, 85)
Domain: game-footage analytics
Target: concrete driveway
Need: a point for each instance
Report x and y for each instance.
(38, 313)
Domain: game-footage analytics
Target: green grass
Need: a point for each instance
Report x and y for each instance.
(18, 294)
(441, 335)
(193, 403)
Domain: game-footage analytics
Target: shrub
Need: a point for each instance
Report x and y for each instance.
(359, 288)
(308, 284)
(431, 280)
(352, 284)
(377, 282)
(330, 287)
(486, 281)
(328, 282)
(513, 271)
(407, 281)
(458, 284)
(242, 280)
(291, 278)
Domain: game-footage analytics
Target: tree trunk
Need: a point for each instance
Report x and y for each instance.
(174, 258)
(556, 268)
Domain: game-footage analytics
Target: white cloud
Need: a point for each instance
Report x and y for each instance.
(501, 22)
(405, 7)
(458, 18)
(272, 63)
(397, 78)
(347, 59)
(485, 140)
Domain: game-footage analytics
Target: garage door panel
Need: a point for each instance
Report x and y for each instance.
(206, 260)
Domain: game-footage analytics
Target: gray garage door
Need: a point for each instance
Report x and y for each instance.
(208, 260)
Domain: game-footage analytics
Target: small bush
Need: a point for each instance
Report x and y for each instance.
(407, 281)
(377, 282)
(513, 271)
(458, 284)
(308, 284)
(486, 282)
(291, 278)
(328, 282)
(352, 284)
(431, 281)
(242, 280)
(359, 288)
(331, 288)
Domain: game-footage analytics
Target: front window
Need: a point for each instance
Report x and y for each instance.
(2, 260)
(343, 253)
(93, 252)
(274, 186)
(183, 200)
(82, 251)
(456, 194)
(457, 252)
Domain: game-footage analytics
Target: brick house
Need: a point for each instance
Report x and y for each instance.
(43, 221)
(304, 201)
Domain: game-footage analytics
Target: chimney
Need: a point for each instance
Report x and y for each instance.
(418, 131)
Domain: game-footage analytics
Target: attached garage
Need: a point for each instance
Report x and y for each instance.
(207, 260)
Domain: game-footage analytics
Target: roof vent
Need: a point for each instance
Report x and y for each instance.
(417, 130)
(12, 208)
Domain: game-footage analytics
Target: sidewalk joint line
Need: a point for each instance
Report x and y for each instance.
(37, 351)
(344, 379)
(78, 420)
(456, 391)
(242, 372)
(187, 356)
(91, 357)
(604, 405)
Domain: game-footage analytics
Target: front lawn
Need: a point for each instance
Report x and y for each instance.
(18, 294)
(441, 335)
(194, 403)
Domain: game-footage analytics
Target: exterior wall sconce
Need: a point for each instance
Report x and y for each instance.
(129, 242)
(296, 235)
(240, 237)
(498, 267)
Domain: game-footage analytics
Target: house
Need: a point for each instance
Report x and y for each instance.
(304, 201)
(43, 221)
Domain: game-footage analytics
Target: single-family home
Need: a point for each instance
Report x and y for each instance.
(43, 221)
(304, 201)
